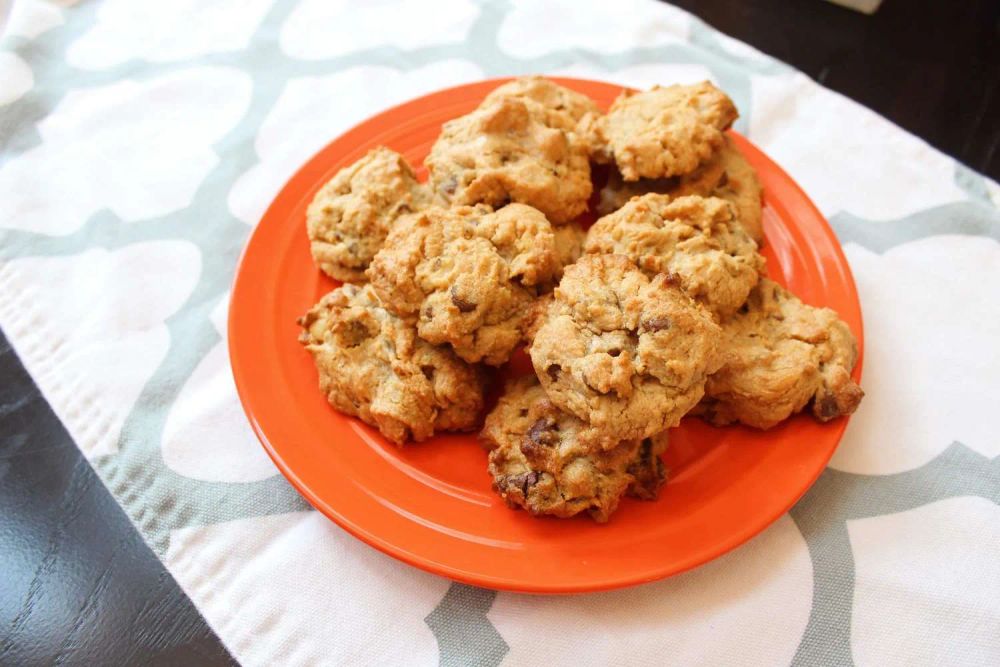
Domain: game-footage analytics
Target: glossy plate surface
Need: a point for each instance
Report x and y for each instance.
(430, 504)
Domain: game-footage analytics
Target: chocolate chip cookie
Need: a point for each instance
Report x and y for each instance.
(546, 461)
(728, 175)
(510, 150)
(625, 353)
(663, 132)
(695, 239)
(468, 275)
(569, 240)
(351, 215)
(564, 108)
(739, 185)
(782, 355)
(372, 365)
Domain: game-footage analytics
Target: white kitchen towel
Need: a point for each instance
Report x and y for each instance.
(139, 146)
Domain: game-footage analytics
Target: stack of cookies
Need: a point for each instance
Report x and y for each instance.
(661, 309)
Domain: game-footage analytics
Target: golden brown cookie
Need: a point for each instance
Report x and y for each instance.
(662, 132)
(372, 365)
(546, 461)
(468, 275)
(781, 355)
(624, 353)
(727, 175)
(695, 239)
(351, 215)
(739, 185)
(564, 108)
(507, 150)
(569, 240)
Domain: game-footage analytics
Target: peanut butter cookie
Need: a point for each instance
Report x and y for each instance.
(569, 240)
(545, 460)
(510, 149)
(626, 354)
(468, 275)
(564, 108)
(696, 239)
(728, 176)
(372, 365)
(351, 215)
(662, 132)
(781, 355)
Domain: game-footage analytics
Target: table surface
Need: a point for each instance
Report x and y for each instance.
(81, 587)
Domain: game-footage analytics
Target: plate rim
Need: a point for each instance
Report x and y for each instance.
(504, 583)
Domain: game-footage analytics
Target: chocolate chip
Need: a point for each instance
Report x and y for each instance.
(526, 481)
(543, 432)
(656, 324)
(553, 372)
(647, 473)
(614, 352)
(723, 180)
(463, 305)
(826, 408)
(428, 372)
(673, 278)
(646, 449)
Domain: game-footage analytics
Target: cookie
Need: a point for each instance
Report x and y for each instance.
(564, 108)
(625, 353)
(782, 355)
(507, 151)
(695, 239)
(662, 132)
(468, 275)
(372, 365)
(536, 317)
(569, 240)
(544, 460)
(739, 185)
(617, 191)
(728, 176)
(351, 215)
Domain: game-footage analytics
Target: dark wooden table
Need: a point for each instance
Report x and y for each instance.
(78, 584)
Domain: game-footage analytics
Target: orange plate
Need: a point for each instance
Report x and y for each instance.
(430, 504)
